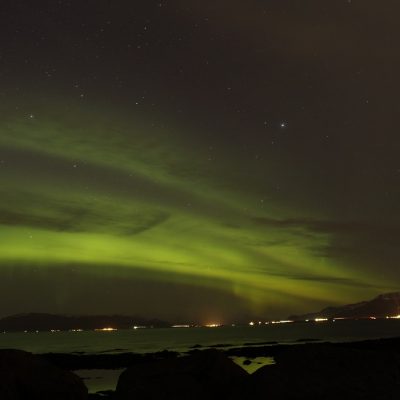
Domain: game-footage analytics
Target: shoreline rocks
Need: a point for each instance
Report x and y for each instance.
(25, 376)
(368, 369)
(207, 374)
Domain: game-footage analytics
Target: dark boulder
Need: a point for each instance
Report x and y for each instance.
(24, 376)
(328, 372)
(203, 375)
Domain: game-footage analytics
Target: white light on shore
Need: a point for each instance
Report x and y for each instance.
(284, 321)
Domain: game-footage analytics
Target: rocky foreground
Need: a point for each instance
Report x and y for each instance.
(360, 370)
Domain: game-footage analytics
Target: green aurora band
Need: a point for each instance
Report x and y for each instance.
(131, 199)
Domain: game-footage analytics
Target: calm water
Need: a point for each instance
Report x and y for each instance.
(149, 340)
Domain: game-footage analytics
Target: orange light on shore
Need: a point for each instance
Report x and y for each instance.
(108, 329)
(212, 325)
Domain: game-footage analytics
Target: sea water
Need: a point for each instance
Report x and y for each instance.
(182, 339)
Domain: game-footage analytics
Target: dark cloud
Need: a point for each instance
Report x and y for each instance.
(46, 212)
(381, 231)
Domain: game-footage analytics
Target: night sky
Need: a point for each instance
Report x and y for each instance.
(198, 160)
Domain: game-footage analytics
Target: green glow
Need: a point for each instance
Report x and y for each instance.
(120, 198)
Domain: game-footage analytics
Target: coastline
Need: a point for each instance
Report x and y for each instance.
(74, 361)
(257, 358)
(309, 369)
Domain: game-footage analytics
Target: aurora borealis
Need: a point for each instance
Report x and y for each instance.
(204, 160)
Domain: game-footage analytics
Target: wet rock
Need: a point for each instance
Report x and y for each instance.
(203, 375)
(24, 376)
(102, 395)
(328, 372)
